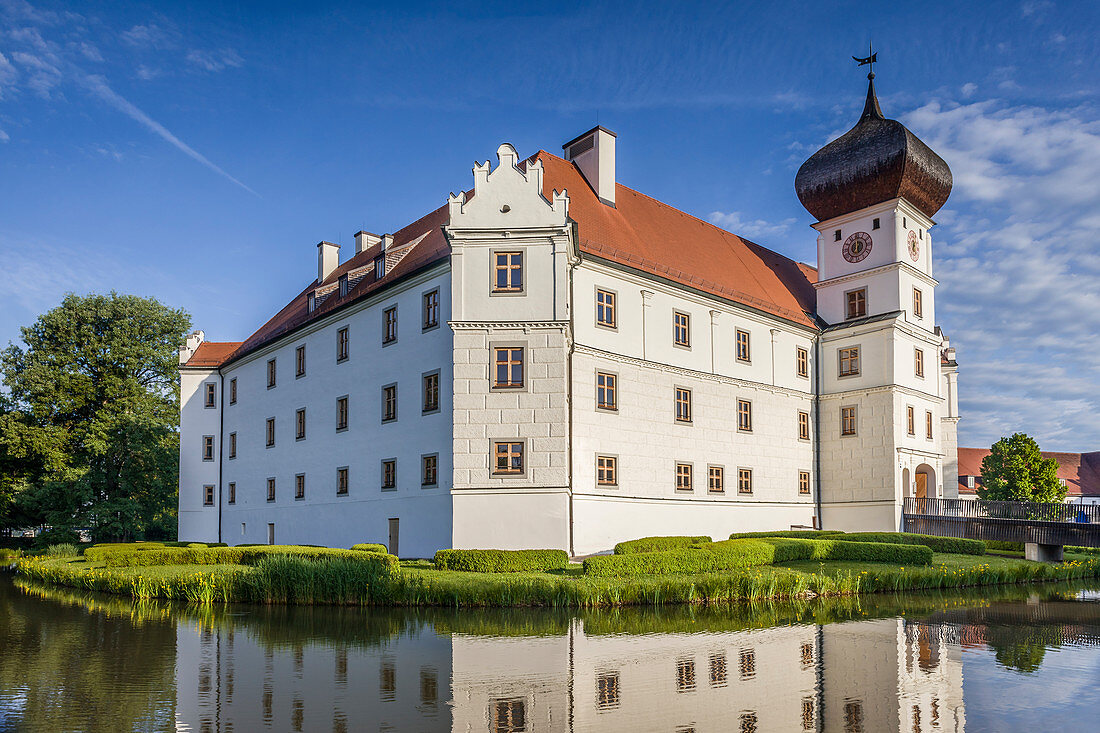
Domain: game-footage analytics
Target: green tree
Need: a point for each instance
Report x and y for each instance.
(1015, 470)
(90, 435)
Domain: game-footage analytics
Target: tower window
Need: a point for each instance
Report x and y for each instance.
(508, 458)
(848, 421)
(857, 303)
(874, 223)
(508, 367)
(849, 361)
(928, 425)
(836, 236)
(508, 272)
(918, 363)
(918, 303)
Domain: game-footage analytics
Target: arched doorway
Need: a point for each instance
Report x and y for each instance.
(925, 482)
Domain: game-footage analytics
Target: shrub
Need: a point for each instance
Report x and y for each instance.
(369, 547)
(219, 555)
(64, 549)
(806, 534)
(501, 561)
(949, 545)
(1005, 546)
(655, 544)
(56, 536)
(792, 549)
(728, 555)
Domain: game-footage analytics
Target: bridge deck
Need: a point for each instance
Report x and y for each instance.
(1004, 521)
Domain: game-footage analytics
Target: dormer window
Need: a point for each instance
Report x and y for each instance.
(379, 267)
(312, 302)
(343, 285)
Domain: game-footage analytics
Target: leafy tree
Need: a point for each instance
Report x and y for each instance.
(89, 437)
(1014, 470)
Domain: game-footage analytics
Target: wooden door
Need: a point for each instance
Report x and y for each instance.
(922, 485)
(394, 530)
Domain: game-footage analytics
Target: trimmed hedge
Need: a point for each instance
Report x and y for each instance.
(501, 561)
(740, 554)
(369, 547)
(97, 552)
(231, 555)
(805, 534)
(949, 545)
(656, 544)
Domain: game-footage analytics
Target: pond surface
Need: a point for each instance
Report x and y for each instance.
(1007, 659)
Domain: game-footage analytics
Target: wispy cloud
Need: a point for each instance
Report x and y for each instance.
(736, 222)
(215, 60)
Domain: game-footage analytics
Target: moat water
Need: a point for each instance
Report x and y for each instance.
(1002, 659)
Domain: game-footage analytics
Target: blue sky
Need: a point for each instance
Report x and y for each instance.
(197, 152)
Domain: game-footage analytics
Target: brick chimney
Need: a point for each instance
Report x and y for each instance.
(594, 154)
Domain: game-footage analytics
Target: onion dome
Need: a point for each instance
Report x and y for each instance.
(875, 161)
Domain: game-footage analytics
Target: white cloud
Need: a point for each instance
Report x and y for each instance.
(215, 60)
(750, 228)
(146, 73)
(42, 76)
(148, 36)
(968, 89)
(4, 137)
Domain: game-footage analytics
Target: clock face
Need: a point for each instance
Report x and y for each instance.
(857, 247)
(914, 247)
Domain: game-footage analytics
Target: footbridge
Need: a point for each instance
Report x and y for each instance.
(1043, 528)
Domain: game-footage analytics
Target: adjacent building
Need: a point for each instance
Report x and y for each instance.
(553, 359)
(1079, 473)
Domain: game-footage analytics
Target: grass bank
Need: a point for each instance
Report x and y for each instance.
(343, 579)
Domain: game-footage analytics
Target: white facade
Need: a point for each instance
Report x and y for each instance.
(792, 466)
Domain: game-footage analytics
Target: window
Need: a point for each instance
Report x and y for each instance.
(389, 403)
(507, 272)
(343, 285)
(389, 474)
(429, 470)
(508, 716)
(718, 670)
(208, 447)
(683, 477)
(311, 299)
(848, 421)
(605, 309)
(716, 479)
(431, 392)
(803, 425)
(804, 482)
(270, 432)
(836, 236)
(853, 717)
(683, 404)
(857, 303)
(744, 416)
(807, 655)
(379, 267)
(607, 473)
(233, 391)
(874, 223)
(681, 329)
(918, 303)
(801, 361)
(271, 489)
(748, 664)
(849, 361)
(910, 420)
(389, 319)
(300, 424)
(232, 445)
(748, 722)
(211, 395)
(744, 481)
(918, 362)
(508, 458)
(232, 492)
(342, 413)
(429, 686)
(431, 309)
(300, 362)
(508, 367)
(300, 486)
(387, 680)
(270, 373)
(607, 691)
(928, 425)
(342, 481)
(685, 675)
(743, 352)
(208, 495)
(808, 706)
(606, 391)
(342, 344)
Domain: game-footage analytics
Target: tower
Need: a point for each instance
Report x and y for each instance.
(883, 374)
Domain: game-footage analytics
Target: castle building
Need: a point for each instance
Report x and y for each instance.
(554, 360)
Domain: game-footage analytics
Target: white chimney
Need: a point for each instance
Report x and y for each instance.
(387, 242)
(328, 258)
(365, 240)
(594, 154)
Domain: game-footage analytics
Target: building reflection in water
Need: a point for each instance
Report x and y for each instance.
(859, 676)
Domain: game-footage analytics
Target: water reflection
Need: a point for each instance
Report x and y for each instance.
(73, 661)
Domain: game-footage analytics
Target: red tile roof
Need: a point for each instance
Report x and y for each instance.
(212, 353)
(1080, 470)
(639, 232)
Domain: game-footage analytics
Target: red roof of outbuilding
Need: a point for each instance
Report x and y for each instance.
(639, 232)
(212, 353)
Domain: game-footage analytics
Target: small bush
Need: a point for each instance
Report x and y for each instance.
(656, 544)
(949, 545)
(727, 555)
(501, 561)
(369, 547)
(805, 534)
(63, 549)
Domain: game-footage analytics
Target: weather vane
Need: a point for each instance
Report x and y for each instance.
(870, 60)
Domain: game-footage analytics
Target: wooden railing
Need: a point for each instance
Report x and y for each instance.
(1022, 510)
